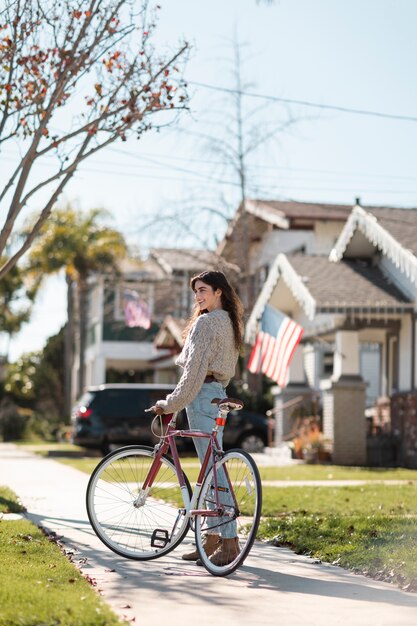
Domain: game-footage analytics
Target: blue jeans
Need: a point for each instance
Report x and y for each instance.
(201, 416)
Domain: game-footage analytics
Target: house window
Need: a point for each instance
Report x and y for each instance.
(327, 364)
(184, 299)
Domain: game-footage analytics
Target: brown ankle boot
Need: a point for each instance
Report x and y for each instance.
(211, 543)
(226, 552)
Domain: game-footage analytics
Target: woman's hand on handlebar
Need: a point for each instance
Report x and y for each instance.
(155, 409)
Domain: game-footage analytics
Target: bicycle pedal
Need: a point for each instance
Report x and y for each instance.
(160, 538)
(219, 488)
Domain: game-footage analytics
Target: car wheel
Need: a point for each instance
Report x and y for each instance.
(252, 443)
(104, 447)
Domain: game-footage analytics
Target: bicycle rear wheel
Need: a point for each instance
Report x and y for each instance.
(240, 494)
(134, 523)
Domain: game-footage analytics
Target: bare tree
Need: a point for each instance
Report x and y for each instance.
(246, 131)
(75, 76)
(237, 133)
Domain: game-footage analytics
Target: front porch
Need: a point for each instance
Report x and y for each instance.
(356, 325)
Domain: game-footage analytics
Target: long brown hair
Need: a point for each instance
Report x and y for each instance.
(230, 303)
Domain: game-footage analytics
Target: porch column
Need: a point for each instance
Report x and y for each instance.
(344, 403)
(346, 357)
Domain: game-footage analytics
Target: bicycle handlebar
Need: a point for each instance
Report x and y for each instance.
(224, 404)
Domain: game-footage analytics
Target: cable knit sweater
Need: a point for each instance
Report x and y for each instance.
(209, 348)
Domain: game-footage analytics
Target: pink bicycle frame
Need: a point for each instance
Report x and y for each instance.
(169, 443)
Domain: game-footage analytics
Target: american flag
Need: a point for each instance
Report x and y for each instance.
(275, 345)
(136, 311)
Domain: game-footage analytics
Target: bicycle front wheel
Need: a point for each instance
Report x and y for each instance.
(240, 498)
(135, 523)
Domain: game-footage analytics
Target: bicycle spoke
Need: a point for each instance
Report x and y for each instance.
(124, 517)
(240, 500)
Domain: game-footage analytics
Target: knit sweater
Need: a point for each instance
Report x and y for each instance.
(209, 348)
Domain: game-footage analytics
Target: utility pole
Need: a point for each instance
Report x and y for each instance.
(241, 171)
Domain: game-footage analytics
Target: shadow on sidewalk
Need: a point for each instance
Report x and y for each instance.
(165, 573)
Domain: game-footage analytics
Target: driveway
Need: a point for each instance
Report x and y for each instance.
(274, 586)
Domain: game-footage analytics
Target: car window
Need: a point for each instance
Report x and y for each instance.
(121, 403)
(127, 403)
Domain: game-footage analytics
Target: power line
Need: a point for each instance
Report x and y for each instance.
(273, 168)
(355, 189)
(153, 164)
(153, 177)
(182, 170)
(284, 183)
(257, 187)
(144, 156)
(307, 103)
(269, 188)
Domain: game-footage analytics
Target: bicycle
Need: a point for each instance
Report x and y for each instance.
(141, 505)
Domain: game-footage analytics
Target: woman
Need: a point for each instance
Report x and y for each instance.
(213, 337)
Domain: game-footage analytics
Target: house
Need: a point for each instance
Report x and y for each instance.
(387, 237)
(262, 228)
(358, 308)
(119, 353)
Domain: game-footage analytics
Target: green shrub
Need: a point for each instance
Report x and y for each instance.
(12, 421)
(43, 426)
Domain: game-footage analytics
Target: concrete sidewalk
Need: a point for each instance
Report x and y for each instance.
(274, 586)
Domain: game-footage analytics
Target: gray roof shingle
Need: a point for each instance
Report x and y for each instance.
(347, 284)
(400, 223)
(193, 260)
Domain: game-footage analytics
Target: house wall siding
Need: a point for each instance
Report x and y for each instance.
(326, 235)
(278, 241)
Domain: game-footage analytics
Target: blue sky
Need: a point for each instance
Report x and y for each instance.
(360, 54)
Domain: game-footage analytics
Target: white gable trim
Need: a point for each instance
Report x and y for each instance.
(256, 209)
(379, 237)
(280, 268)
(272, 217)
(162, 262)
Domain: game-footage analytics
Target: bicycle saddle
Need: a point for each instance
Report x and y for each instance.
(228, 404)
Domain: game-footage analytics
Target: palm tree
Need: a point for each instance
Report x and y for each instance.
(81, 245)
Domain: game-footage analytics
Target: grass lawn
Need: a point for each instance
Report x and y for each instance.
(86, 461)
(370, 529)
(294, 472)
(39, 586)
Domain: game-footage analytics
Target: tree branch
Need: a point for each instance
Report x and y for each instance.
(43, 215)
(52, 53)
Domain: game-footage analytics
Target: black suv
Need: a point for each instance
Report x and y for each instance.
(109, 416)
